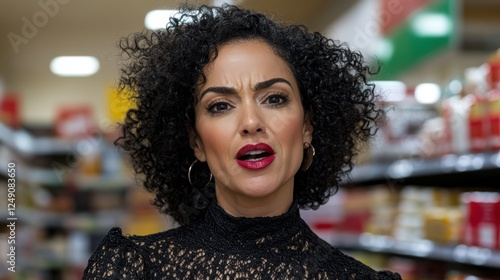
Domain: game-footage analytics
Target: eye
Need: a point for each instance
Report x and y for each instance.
(278, 98)
(218, 107)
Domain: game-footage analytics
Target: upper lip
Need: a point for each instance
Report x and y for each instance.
(254, 147)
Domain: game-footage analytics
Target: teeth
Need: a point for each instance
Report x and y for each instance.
(252, 153)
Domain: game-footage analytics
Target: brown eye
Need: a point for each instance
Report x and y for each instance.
(218, 107)
(277, 99)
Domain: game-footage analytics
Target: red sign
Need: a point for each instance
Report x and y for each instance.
(74, 122)
(394, 12)
(9, 110)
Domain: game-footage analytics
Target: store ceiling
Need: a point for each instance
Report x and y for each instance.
(92, 27)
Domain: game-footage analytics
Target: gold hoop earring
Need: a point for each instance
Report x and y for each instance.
(189, 173)
(309, 153)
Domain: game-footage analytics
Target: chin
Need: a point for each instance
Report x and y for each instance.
(260, 189)
(258, 192)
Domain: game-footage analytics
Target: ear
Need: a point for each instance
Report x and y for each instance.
(197, 145)
(308, 129)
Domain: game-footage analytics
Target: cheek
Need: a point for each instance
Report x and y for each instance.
(290, 135)
(216, 137)
(291, 139)
(291, 127)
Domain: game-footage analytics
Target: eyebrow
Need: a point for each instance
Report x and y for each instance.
(258, 86)
(268, 83)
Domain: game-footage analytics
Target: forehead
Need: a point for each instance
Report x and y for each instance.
(245, 56)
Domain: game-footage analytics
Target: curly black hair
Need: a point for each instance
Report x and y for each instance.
(163, 68)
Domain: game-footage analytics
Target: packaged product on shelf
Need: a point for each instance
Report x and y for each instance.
(408, 224)
(481, 225)
(494, 100)
(432, 138)
(478, 121)
(455, 114)
(420, 213)
(478, 112)
(90, 163)
(405, 116)
(383, 211)
(356, 210)
(494, 119)
(442, 224)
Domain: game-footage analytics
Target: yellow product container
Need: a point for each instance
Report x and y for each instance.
(119, 103)
(442, 225)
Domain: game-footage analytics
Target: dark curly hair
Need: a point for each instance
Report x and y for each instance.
(165, 67)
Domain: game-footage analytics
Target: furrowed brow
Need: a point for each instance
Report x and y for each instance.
(220, 90)
(268, 83)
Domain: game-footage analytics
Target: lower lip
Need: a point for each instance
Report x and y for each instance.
(257, 164)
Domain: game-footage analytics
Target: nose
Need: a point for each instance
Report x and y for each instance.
(252, 120)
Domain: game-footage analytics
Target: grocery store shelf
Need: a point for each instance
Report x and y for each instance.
(100, 182)
(448, 170)
(91, 222)
(23, 143)
(56, 177)
(461, 254)
(33, 175)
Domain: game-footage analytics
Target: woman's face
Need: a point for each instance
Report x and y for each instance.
(250, 124)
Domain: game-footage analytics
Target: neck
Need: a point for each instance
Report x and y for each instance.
(251, 207)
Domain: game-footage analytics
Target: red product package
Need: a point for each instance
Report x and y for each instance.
(494, 119)
(482, 219)
(478, 121)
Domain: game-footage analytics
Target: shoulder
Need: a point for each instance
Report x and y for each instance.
(123, 257)
(116, 257)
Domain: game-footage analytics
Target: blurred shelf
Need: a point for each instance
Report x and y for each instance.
(101, 182)
(481, 169)
(32, 175)
(52, 177)
(89, 222)
(92, 204)
(23, 143)
(460, 254)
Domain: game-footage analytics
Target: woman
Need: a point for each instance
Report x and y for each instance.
(239, 122)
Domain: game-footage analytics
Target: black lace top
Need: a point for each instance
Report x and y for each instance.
(221, 246)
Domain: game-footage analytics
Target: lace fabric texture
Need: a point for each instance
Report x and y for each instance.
(224, 247)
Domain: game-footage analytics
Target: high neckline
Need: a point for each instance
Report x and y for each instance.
(245, 231)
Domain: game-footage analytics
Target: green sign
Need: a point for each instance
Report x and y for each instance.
(427, 31)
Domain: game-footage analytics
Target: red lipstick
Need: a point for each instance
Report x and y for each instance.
(256, 156)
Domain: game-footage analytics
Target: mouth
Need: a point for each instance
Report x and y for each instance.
(255, 156)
